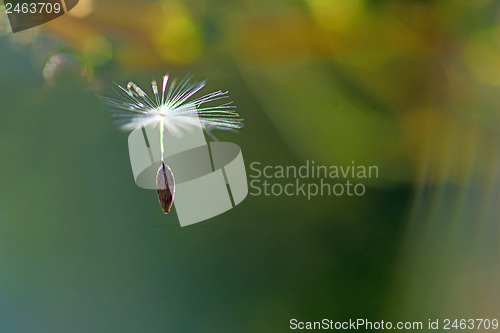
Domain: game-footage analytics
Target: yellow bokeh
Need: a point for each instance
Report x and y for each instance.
(177, 37)
(335, 14)
(97, 50)
(482, 56)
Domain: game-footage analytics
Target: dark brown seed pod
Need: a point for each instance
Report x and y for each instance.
(166, 187)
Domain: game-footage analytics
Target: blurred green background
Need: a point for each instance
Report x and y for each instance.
(410, 86)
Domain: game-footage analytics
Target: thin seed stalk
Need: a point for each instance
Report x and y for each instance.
(165, 182)
(162, 130)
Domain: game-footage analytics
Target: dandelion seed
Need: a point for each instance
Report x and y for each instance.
(166, 187)
(172, 109)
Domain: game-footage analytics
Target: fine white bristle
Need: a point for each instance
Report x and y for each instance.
(165, 81)
(175, 109)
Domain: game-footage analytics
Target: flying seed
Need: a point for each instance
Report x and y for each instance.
(175, 109)
(166, 187)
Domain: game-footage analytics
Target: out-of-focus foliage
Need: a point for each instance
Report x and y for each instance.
(410, 86)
